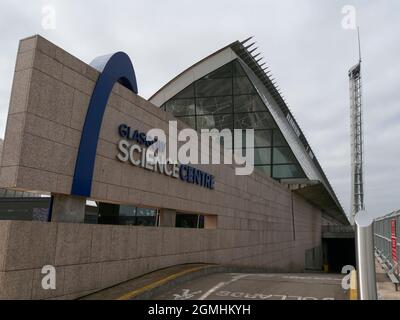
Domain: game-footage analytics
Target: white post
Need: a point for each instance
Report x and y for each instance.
(365, 257)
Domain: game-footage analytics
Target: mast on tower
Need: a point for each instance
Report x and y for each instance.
(357, 177)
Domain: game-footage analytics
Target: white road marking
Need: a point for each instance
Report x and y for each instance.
(186, 294)
(263, 296)
(311, 278)
(222, 284)
(291, 277)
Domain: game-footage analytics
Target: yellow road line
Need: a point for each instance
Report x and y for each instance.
(156, 284)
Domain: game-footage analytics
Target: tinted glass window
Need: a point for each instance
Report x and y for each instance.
(255, 120)
(279, 139)
(215, 121)
(287, 171)
(188, 92)
(284, 155)
(249, 103)
(214, 87)
(226, 98)
(137, 216)
(190, 121)
(264, 169)
(188, 221)
(33, 209)
(181, 107)
(242, 85)
(238, 70)
(262, 156)
(262, 138)
(214, 105)
(223, 72)
(146, 217)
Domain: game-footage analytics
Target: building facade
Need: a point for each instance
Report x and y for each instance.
(62, 119)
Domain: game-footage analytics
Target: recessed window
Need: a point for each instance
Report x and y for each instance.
(189, 221)
(137, 216)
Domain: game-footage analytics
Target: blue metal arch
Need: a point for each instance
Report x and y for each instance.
(114, 68)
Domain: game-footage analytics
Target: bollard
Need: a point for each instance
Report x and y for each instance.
(353, 295)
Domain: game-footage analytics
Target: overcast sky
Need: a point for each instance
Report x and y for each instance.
(303, 42)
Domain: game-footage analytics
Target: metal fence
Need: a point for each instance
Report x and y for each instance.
(387, 240)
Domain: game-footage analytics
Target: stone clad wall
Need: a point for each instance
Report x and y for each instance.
(50, 96)
(88, 258)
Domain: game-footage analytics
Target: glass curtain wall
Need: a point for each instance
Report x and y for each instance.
(226, 98)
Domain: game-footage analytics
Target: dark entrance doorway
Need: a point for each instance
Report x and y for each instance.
(339, 253)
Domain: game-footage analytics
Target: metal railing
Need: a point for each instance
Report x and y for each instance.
(387, 240)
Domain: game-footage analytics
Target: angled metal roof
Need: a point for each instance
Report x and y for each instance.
(319, 192)
(242, 51)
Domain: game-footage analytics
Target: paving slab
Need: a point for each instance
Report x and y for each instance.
(385, 287)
